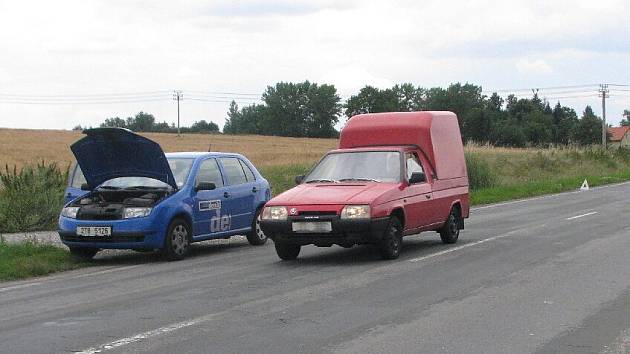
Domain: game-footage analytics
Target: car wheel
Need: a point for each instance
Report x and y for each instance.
(83, 253)
(287, 252)
(177, 241)
(391, 244)
(449, 233)
(256, 237)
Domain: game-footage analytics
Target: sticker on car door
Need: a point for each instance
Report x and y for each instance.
(205, 205)
(220, 223)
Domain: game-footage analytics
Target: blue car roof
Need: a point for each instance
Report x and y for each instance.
(198, 154)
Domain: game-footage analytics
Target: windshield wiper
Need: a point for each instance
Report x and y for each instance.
(145, 188)
(321, 181)
(359, 179)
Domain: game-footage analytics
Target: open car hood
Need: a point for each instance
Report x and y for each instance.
(107, 153)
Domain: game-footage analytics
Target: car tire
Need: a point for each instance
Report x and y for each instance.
(391, 243)
(286, 251)
(177, 240)
(83, 253)
(449, 233)
(256, 237)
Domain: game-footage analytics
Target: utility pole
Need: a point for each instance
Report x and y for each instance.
(603, 90)
(178, 96)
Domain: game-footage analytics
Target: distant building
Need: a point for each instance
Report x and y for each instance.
(619, 137)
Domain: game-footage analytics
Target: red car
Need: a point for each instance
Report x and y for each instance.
(394, 174)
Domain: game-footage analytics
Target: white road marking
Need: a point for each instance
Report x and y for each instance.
(64, 277)
(152, 333)
(581, 216)
(18, 286)
(454, 249)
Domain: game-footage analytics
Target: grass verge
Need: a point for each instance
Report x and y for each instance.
(29, 259)
(538, 188)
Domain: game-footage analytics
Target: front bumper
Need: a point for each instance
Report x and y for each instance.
(344, 232)
(140, 233)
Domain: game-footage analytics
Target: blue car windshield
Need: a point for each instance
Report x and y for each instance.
(179, 166)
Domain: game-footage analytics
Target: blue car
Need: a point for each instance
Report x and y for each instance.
(76, 181)
(141, 198)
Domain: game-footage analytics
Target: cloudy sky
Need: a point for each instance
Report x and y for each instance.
(64, 63)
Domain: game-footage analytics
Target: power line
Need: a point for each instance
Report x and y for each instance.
(29, 102)
(223, 101)
(224, 93)
(88, 95)
(225, 97)
(542, 88)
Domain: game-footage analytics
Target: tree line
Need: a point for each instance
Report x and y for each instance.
(310, 110)
(146, 122)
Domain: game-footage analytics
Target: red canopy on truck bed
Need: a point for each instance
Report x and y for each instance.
(435, 132)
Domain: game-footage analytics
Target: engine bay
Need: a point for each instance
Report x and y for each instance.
(110, 205)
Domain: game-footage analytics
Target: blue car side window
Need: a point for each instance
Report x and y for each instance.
(248, 171)
(77, 178)
(233, 171)
(209, 172)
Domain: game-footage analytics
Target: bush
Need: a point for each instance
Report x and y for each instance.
(479, 173)
(31, 198)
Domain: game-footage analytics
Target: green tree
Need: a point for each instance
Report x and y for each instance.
(509, 133)
(589, 128)
(409, 98)
(373, 100)
(233, 115)
(141, 122)
(301, 110)
(460, 99)
(564, 121)
(204, 127)
(114, 122)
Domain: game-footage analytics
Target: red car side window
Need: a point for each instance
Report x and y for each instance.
(413, 164)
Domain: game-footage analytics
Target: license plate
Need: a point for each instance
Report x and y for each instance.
(94, 231)
(311, 227)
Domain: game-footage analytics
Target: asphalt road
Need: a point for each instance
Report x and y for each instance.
(549, 275)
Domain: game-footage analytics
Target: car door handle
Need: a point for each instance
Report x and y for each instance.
(254, 190)
(428, 196)
(226, 195)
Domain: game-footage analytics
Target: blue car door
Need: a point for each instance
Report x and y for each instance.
(241, 193)
(210, 212)
(75, 180)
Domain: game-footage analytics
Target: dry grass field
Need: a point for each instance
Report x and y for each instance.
(20, 147)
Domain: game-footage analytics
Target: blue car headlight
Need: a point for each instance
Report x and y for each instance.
(130, 213)
(70, 212)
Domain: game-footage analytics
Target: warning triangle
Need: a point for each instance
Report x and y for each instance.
(584, 186)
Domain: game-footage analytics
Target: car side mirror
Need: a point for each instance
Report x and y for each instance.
(299, 179)
(417, 177)
(205, 186)
(85, 187)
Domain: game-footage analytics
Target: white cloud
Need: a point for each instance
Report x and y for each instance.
(533, 67)
(94, 46)
(350, 79)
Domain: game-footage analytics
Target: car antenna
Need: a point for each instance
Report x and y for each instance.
(210, 147)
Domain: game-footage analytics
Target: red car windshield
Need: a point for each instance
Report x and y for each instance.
(376, 166)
